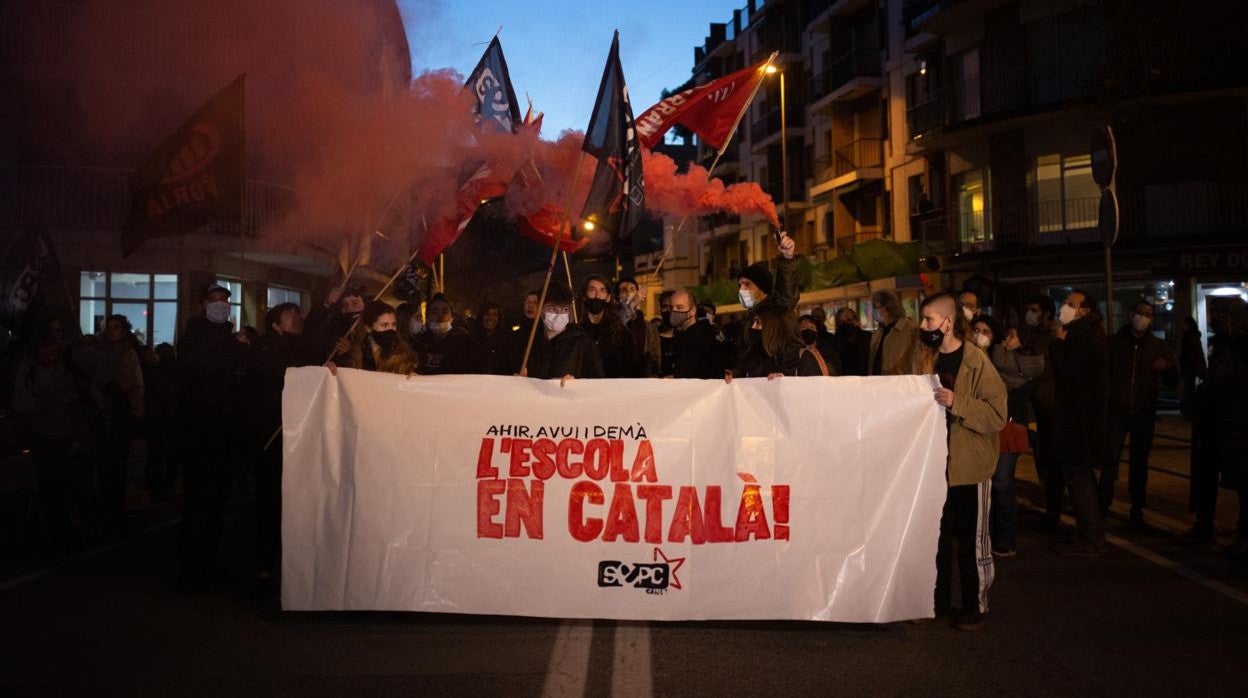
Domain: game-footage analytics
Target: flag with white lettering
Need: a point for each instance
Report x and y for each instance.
(194, 178)
(496, 104)
(711, 110)
(27, 264)
(617, 198)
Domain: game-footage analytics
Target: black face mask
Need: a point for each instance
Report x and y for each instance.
(667, 318)
(594, 306)
(387, 340)
(932, 338)
(809, 336)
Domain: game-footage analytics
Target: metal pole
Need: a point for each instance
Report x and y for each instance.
(784, 153)
(1109, 287)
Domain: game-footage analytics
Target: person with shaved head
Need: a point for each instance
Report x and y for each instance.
(698, 353)
(974, 398)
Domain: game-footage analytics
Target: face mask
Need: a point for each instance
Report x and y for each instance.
(414, 326)
(747, 298)
(1066, 315)
(387, 340)
(676, 318)
(1141, 322)
(217, 311)
(594, 306)
(932, 338)
(968, 313)
(983, 340)
(628, 299)
(626, 314)
(555, 322)
(809, 336)
(1032, 318)
(441, 327)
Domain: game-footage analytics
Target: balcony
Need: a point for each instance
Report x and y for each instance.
(823, 13)
(941, 16)
(860, 160)
(99, 198)
(926, 117)
(848, 77)
(845, 243)
(765, 130)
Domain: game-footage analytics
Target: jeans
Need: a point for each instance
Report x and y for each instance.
(1003, 524)
(1140, 426)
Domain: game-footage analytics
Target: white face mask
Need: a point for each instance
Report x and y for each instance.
(555, 322)
(1067, 314)
(983, 340)
(441, 327)
(1141, 323)
(747, 298)
(1032, 318)
(414, 326)
(217, 311)
(968, 313)
(628, 299)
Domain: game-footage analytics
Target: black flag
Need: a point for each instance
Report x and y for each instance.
(28, 262)
(617, 198)
(194, 178)
(491, 85)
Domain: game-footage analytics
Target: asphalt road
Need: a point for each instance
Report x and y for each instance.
(1149, 618)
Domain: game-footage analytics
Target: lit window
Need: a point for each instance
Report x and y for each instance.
(236, 300)
(148, 301)
(1066, 197)
(278, 295)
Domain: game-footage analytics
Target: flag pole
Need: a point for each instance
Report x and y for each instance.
(567, 265)
(550, 269)
(667, 244)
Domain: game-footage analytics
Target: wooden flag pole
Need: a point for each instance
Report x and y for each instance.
(567, 265)
(667, 244)
(550, 269)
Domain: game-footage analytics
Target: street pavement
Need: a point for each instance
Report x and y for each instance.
(1149, 618)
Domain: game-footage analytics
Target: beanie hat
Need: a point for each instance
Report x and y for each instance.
(759, 274)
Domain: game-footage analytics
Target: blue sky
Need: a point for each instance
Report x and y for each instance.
(556, 48)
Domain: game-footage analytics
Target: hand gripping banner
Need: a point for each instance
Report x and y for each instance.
(799, 498)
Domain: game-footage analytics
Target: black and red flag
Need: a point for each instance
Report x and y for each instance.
(194, 178)
(711, 110)
(617, 197)
(496, 104)
(26, 266)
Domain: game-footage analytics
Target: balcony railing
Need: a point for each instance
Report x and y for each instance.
(768, 125)
(858, 63)
(926, 116)
(99, 197)
(861, 154)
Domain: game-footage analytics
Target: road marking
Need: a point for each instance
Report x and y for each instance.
(569, 660)
(630, 665)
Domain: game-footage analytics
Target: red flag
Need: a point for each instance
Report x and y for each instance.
(484, 184)
(711, 111)
(543, 226)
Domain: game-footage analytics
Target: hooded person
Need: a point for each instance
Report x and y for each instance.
(758, 288)
(562, 349)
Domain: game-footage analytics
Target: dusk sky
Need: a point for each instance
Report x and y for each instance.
(556, 49)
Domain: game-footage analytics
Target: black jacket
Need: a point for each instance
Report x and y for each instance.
(210, 361)
(620, 359)
(265, 377)
(570, 353)
(1132, 380)
(494, 351)
(853, 346)
(784, 294)
(455, 352)
(1081, 383)
(794, 360)
(698, 352)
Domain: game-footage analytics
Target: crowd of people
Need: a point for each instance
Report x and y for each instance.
(1048, 380)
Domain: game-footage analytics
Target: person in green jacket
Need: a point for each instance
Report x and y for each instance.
(974, 398)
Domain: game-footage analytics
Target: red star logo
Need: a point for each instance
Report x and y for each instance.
(675, 564)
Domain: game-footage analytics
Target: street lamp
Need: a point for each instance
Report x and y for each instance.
(784, 141)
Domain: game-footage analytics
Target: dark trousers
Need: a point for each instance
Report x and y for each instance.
(964, 537)
(1089, 519)
(206, 485)
(1140, 426)
(54, 487)
(1004, 521)
(268, 475)
(1048, 467)
(161, 470)
(115, 440)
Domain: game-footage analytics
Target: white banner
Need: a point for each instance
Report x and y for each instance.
(800, 498)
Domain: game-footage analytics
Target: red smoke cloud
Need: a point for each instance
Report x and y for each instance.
(691, 193)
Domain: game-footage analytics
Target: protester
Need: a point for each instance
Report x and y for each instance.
(974, 399)
(1016, 372)
(778, 350)
(160, 405)
(442, 347)
(46, 394)
(282, 346)
(620, 358)
(117, 390)
(1192, 364)
(1138, 362)
(247, 335)
(645, 338)
(893, 344)
(812, 339)
(1038, 333)
(562, 348)
(970, 305)
(210, 360)
(1219, 427)
(698, 353)
(1081, 372)
(408, 321)
(493, 342)
(329, 323)
(758, 289)
(379, 348)
(519, 336)
(852, 343)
